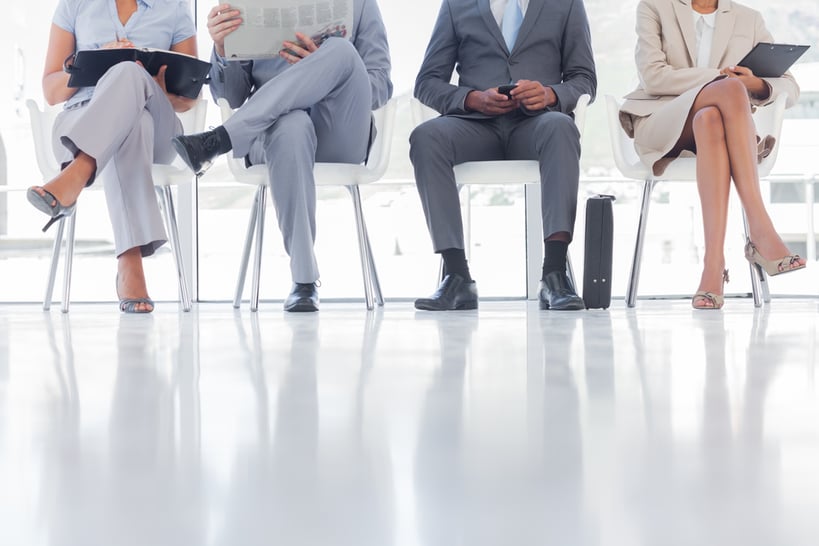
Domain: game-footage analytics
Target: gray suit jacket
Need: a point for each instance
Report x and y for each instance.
(553, 47)
(237, 80)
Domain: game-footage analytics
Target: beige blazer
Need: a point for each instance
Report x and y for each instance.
(666, 56)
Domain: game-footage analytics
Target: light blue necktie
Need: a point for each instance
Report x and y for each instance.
(510, 25)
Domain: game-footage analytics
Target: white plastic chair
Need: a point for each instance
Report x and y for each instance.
(768, 120)
(326, 174)
(517, 172)
(164, 177)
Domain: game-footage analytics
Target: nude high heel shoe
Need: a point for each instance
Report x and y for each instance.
(717, 300)
(772, 267)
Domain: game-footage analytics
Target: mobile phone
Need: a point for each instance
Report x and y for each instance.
(507, 89)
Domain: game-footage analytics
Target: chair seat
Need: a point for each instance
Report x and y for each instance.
(498, 172)
(325, 174)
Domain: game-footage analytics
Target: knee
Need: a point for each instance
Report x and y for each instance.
(556, 127)
(342, 51)
(708, 124)
(125, 71)
(426, 139)
(733, 95)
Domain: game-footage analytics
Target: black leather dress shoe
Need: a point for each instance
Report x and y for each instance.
(198, 151)
(454, 294)
(303, 298)
(557, 293)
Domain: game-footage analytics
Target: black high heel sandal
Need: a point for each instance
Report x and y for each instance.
(50, 205)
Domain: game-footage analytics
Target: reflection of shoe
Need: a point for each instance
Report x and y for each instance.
(198, 151)
(303, 298)
(453, 294)
(772, 267)
(557, 293)
(714, 301)
(50, 205)
(129, 305)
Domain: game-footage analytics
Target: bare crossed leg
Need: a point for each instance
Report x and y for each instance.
(720, 129)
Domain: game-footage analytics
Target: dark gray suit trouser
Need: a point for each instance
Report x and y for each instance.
(436, 146)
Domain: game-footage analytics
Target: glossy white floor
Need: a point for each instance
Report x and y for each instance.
(658, 426)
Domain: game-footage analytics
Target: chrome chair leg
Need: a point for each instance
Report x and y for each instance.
(759, 280)
(251, 228)
(55, 262)
(379, 298)
(69, 261)
(362, 246)
(257, 263)
(634, 276)
(166, 198)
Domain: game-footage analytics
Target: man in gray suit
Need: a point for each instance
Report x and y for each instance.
(314, 103)
(544, 46)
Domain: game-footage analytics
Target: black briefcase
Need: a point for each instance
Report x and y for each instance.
(599, 242)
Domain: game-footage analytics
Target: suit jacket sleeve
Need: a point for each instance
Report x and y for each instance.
(579, 76)
(432, 86)
(371, 43)
(657, 77)
(232, 80)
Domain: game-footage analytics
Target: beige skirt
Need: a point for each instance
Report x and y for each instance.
(656, 134)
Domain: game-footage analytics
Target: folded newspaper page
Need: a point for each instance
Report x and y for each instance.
(268, 23)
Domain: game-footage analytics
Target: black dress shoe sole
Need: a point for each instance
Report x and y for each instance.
(183, 153)
(302, 307)
(427, 306)
(577, 306)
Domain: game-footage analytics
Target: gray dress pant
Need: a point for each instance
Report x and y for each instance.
(437, 145)
(316, 110)
(126, 127)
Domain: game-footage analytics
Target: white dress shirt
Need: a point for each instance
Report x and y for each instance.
(704, 23)
(498, 7)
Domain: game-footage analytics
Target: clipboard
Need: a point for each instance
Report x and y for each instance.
(768, 60)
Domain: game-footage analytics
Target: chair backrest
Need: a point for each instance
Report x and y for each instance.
(768, 120)
(42, 124)
(193, 121)
(42, 121)
(382, 145)
(379, 152)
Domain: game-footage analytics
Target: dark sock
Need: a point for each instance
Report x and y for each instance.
(455, 263)
(224, 140)
(554, 256)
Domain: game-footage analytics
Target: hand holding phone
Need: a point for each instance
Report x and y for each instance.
(507, 89)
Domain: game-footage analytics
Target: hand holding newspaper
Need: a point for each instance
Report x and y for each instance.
(266, 24)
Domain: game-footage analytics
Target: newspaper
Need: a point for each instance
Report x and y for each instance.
(268, 23)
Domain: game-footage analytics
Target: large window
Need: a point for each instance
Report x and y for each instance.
(407, 267)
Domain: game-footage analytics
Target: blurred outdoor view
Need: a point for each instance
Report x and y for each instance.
(407, 267)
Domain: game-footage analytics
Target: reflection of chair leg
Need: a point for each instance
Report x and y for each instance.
(169, 215)
(251, 228)
(372, 288)
(634, 277)
(759, 281)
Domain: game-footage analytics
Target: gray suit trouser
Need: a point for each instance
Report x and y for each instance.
(126, 127)
(437, 145)
(316, 110)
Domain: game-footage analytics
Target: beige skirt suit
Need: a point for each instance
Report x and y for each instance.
(655, 113)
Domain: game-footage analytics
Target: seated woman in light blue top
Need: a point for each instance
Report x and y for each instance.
(119, 128)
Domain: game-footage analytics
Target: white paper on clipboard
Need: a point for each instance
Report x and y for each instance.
(267, 23)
